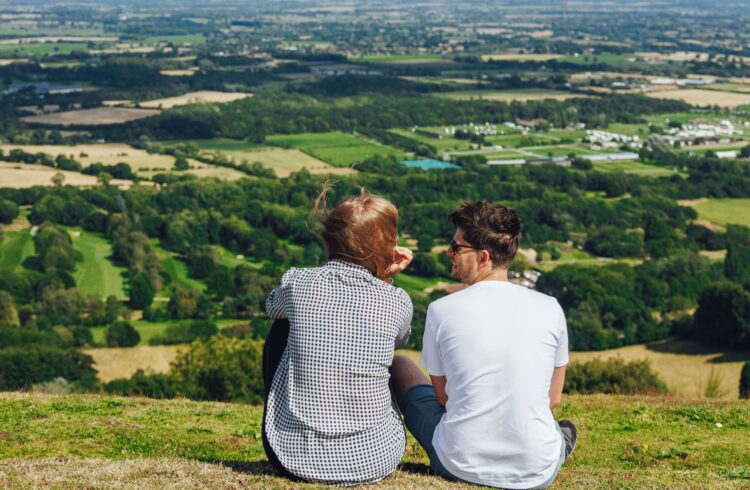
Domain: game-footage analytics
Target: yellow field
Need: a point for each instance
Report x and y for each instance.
(284, 162)
(221, 173)
(22, 176)
(200, 97)
(90, 117)
(520, 57)
(700, 97)
(143, 163)
(179, 73)
(123, 362)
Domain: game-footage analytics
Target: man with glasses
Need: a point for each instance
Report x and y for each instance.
(496, 355)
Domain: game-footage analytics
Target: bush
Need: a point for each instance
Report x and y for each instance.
(122, 334)
(745, 381)
(142, 384)
(8, 211)
(24, 366)
(184, 334)
(612, 376)
(141, 292)
(221, 369)
(723, 315)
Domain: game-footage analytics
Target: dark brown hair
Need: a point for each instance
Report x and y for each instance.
(495, 228)
(362, 230)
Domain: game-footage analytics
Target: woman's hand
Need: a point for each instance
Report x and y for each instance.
(403, 258)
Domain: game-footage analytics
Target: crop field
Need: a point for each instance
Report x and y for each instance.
(398, 58)
(123, 362)
(199, 97)
(142, 162)
(520, 57)
(219, 144)
(510, 95)
(724, 211)
(338, 149)
(701, 98)
(14, 248)
(741, 88)
(446, 143)
(286, 161)
(92, 117)
(96, 274)
(634, 167)
(23, 176)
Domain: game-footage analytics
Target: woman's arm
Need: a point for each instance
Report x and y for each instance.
(556, 387)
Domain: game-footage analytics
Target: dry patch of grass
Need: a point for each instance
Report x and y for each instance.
(122, 362)
(22, 176)
(142, 162)
(700, 97)
(92, 117)
(179, 73)
(200, 97)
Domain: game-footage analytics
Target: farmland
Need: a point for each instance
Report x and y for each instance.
(703, 98)
(724, 211)
(18, 176)
(201, 97)
(510, 95)
(338, 149)
(92, 117)
(96, 274)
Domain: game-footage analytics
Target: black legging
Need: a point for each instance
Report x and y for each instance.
(273, 349)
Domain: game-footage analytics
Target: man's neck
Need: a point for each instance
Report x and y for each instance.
(491, 274)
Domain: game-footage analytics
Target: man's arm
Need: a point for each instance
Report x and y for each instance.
(438, 382)
(556, 387)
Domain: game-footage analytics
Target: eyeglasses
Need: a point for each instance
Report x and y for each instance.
(455, 246)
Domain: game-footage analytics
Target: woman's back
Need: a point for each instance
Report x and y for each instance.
(329, 415)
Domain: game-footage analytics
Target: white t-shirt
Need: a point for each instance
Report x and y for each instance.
(497, 344)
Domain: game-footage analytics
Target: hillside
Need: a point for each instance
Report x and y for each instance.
(76, 441)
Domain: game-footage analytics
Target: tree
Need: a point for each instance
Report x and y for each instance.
(58, 179)
(737, 261)
(181, 163)
(723, 315)
(122, 334)
(104, 179)
(8, 312)
(8, 211)
(141, 292)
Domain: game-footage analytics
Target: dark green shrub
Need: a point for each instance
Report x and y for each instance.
(141, 292)
(186, 333)
(22, 366)
(612, 376)
(222, 369)
(745, 381)
(8, 211)
(82, 336)
(142, 384)
(122, 334)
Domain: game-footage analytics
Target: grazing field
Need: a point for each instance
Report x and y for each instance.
(200, 97)
(40, 49)
(23, 176)
(634, 167)
(284, 162)
(698, 97)
(92, 117)
(338, 149)
(724, 211)
(97, 441)
(509, 95)
(96, 274)
(14, 248)
(141, 162)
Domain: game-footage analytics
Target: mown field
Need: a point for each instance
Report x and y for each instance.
(337, 148)
(91, 117)
(96, 274)
(14, 248)
(724, 211)
(78, 441)
(41, 49)
(23, 176)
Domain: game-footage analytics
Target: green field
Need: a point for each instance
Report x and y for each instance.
(724, 211)
(338, 149)
(176, 269)
(416, 284)
(14, 248)
(149, 330)
(89, 441)
(218, 144)
(96, 274)
(187, 39)
(396, 58)
(40, 49)
(446, 143)
(634, 167)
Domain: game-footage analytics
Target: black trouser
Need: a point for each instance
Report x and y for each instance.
(273, 349)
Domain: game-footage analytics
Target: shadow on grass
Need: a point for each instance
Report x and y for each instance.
(415, 468)
(693, 347)
(249, 467)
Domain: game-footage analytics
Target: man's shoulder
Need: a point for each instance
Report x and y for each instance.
(515, 294)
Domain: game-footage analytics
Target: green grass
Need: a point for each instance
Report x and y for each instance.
(89, 441)
(176, 269)
(416, 284)
(40, 49)
(149, 330)
(96, 274)
(446, 143)
(338, 149)
(14, 248)
(725, 211)
(217, 144)
(177, 39)
(634, 167)
(395, 58)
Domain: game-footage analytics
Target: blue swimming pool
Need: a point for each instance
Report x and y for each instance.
(429, 164)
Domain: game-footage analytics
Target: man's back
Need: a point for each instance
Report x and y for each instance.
(497, 344)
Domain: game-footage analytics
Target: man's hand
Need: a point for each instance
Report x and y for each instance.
(403, 258)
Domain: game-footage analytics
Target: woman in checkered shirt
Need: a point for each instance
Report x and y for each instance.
(328, 415)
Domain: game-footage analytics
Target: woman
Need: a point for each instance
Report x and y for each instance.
(328, 414)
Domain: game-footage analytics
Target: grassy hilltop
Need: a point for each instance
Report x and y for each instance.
(77, 441)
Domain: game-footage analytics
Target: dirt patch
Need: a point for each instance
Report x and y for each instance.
(92, 117)
(200, 97)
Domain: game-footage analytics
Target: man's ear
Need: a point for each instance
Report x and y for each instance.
(485, 258)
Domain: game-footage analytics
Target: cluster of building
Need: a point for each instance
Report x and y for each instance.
(603, 140)
(486, 129)
(701, 133)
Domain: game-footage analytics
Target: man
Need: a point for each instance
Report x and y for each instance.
(496, 354)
